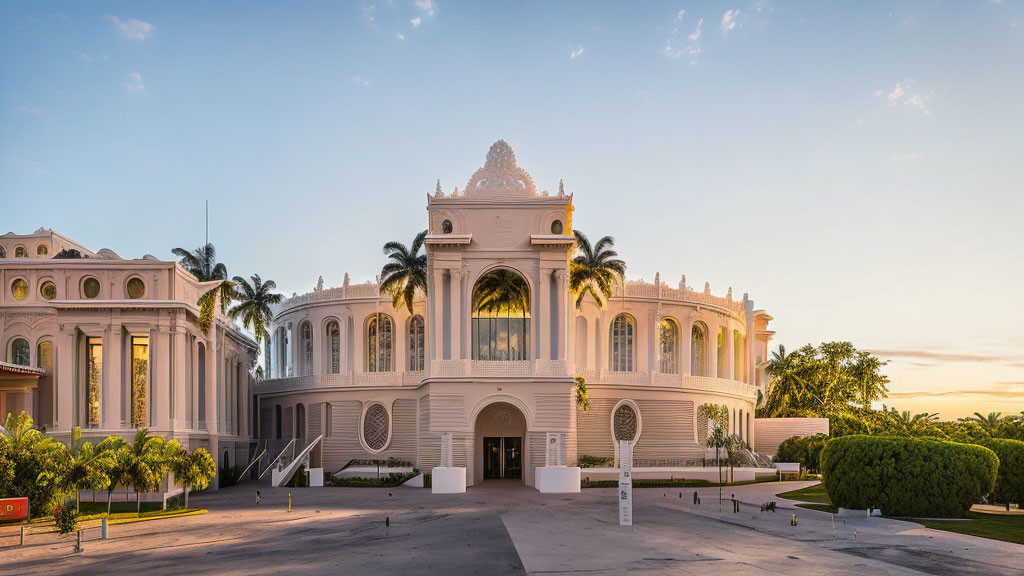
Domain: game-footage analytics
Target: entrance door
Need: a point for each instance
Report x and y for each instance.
(503, 457)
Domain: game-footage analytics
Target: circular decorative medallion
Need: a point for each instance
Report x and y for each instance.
(503, 419)
(375, 427)
(556, 227)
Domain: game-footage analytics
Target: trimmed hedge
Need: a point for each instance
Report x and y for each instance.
(1010, 478)
(803, 449)
(923, 478)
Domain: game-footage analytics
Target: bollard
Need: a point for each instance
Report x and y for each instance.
(793, 521)
(387, 526)
(289, 501)
(78, 542)
(103, 525)
(22, 536)
(695, 500)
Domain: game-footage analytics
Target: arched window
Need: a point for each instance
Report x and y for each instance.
(698, 350)
(20, 252)
(3, 253)
(20, 352)
(42, 250)
(416, 343)
(378, 343)
(669, 347)
(307, 348)
(621, 345)
(501, 317)
(723, 366)
(19, 289)
(334, 347)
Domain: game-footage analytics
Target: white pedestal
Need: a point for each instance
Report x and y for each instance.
(448, 480)
(558, 479)
(316, 477)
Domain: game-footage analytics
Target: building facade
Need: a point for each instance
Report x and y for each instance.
(378, 381)
(111, 345)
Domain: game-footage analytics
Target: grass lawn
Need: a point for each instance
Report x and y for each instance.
(90, 514)
(992, 526)
(813, 498)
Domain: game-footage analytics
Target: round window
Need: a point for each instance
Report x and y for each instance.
(135, 288)
(91, 287)
(556, 227)
(625, 423)
(48, 290)
(41, 250)
(446, 227)
(375, 427)
(19, 288)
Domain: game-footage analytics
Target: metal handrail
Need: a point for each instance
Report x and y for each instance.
(255, 460)
(275, 460)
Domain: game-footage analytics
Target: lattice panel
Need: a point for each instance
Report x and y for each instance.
(625, 423)
(375, 427)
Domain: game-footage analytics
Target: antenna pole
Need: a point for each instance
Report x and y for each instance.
(207, 223)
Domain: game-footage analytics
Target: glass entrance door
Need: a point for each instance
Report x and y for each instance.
(503, 457)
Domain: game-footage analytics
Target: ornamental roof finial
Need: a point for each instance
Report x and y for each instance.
(437, 191)
(561, 188)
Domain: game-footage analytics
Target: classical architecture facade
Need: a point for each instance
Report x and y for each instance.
(376, 381)
(111, 345)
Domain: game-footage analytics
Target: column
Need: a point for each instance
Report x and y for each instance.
(211, 368)
(437, 322)
(113, 346)
(544, 352)
(160, 372)
(712, 350)
(456, 292)
(63, 386)
(652, 342)
(563, 314)
(346, 362)
(686, 345)
(179, 381)
(730, 371)
(316, 329)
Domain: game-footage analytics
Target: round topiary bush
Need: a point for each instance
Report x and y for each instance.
(1010, 478)
(907, 476)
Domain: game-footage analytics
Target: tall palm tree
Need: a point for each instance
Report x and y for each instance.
(787, 385)
(85, 470)
(987, 422)
(139, 464)
(254, 302)
(202, 263)
(593, 269)
(405, 272)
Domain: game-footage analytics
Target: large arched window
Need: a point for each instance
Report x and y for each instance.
(698, 350)
(737, 356)
(621, 351)
(20, 352)
(306, 331)
(668, 349)
(20, 252)
(333, 347)
(378, 343)
(416, 343)
(501, 317)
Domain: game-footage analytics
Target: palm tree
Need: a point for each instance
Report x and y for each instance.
(117, 461)
(85, 470)
(987, 422)
(593, 269)
(787, 386)
(717, 439)
(405, 272)
(202, 263)
(139, 464)
(194, 469)
(734, 446)
(916, 425)
(254, 302)
(500, 291)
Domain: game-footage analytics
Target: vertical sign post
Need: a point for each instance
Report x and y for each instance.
(625, 483)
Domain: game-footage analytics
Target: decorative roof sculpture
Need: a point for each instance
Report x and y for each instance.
(500, 178)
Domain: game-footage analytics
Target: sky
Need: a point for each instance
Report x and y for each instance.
(854, 167)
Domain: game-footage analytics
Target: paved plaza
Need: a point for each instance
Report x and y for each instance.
(506, 528)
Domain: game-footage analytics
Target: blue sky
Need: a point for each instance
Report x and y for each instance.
(854, 167)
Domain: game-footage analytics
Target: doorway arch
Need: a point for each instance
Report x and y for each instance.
(500, 443)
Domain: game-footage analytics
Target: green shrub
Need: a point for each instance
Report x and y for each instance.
(228, 476)
(907, 476)
(584, 461)
(391, 480)
(1010, 478)
(803, 449)
(66, 519)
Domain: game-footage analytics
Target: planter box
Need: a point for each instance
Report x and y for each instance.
(558, 479)
(448, 480)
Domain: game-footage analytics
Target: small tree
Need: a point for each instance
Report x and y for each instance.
(734, 446)
(195, 469)
(33, 462)
(116, 461)
(717, 439)
(85, 470)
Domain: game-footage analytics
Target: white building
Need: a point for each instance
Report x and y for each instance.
(379, 382)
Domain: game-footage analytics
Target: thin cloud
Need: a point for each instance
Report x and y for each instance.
(134, 84)
(399, 35)
(676, 47)
(905, 94)
(83, 57)
(679, 15)
(369, 12)
(577, 52)
(925, 355)
(132, 28)
(426, 6)
(416, 22)
(360, 80)
(729, 20)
